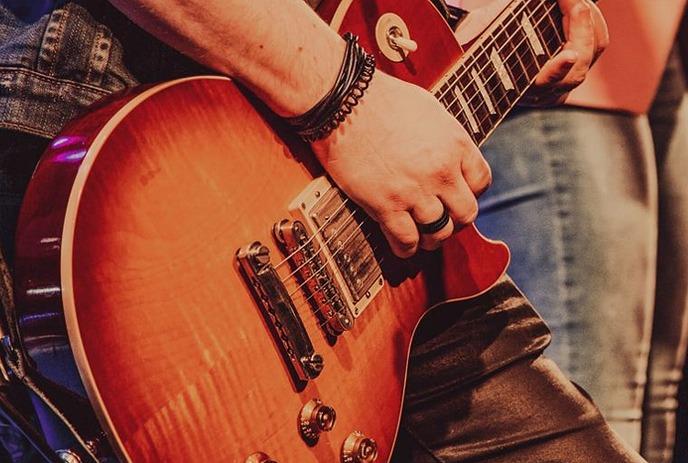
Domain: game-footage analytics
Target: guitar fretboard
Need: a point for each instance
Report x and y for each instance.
(498, 68)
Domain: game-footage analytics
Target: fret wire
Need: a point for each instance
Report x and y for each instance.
(506, 97)
(503, 25)
(536, 10)
(510, 21)
(455, 100)
(444, 94)
(495, 76)
(501, 117)
(548, 27)
(530, 54)
(468, 64)
(502, 99)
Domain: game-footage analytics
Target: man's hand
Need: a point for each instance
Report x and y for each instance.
(403, 158)
(400, 155)
(586, 38)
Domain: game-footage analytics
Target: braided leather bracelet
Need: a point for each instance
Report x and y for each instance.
(353, 79)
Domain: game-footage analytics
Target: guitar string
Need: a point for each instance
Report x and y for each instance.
(480, 121)
(329, 258)
(364, 220)
(513, 19)
(327, 221)
(334, 236)
(498, 102)
(315, 311)
(472, 54)
(328, 241)
(300, 303)
(326, 299)
(325, 262)
(495, 73)
(547, 41)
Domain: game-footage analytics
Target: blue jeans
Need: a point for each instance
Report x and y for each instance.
(581, 197)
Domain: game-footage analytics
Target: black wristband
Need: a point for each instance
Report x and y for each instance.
(353, 79)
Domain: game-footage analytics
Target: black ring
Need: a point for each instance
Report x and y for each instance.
(433, 227)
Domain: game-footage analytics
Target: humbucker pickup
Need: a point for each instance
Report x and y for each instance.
(335, 223)
(323, 291)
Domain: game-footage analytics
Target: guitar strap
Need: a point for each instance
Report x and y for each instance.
(17, 369)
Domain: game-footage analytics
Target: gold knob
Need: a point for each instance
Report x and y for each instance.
(314, 419)
(358, 448)
(259, 457)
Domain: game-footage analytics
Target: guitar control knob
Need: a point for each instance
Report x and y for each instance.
(358, 448)
(314, 419)
(259, 457)
(68, 456)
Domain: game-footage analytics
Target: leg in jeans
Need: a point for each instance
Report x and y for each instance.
(574, 196)
(479, 390)
(669, 121)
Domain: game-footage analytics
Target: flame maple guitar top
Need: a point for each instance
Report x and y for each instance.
(135, 215)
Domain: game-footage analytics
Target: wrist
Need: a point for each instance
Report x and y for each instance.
(301, 90)
(353, 78)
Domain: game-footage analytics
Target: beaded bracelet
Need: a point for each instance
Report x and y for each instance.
(353, 79)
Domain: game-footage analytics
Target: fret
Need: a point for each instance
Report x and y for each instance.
(502, 92)
(495, 72)
(512, 58)
(465, 106)
(501, 70)
(483, 91)
(550, 34)
(532, 61)
(489, 86)
(532, 36)
(458, 107)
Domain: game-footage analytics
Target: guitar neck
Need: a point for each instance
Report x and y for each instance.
(497, 69)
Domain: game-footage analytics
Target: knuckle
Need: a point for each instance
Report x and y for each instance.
(446, 177)
(577, 80)
(462, 141)
(431, 245)
(603, 43)
(582, 8)
(571, 83)
(396, 196)
(407, 241)
(485, 178)
(468, 214)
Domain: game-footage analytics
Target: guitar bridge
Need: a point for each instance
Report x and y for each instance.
(280, 313)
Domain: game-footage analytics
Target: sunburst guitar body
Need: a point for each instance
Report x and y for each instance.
(224, 301)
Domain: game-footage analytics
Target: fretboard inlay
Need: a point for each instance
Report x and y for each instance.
(499, 67)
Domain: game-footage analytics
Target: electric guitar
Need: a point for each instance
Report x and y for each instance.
(224, 300)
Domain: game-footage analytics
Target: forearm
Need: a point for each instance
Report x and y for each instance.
(278, 48)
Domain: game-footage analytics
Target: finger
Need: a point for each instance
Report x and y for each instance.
(401, 233)
(461, 204)
(601, 31)
(556, 69)
(475, 171)
(430, 209)
(580, 30)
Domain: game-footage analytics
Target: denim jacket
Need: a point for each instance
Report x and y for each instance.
(58, 57)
